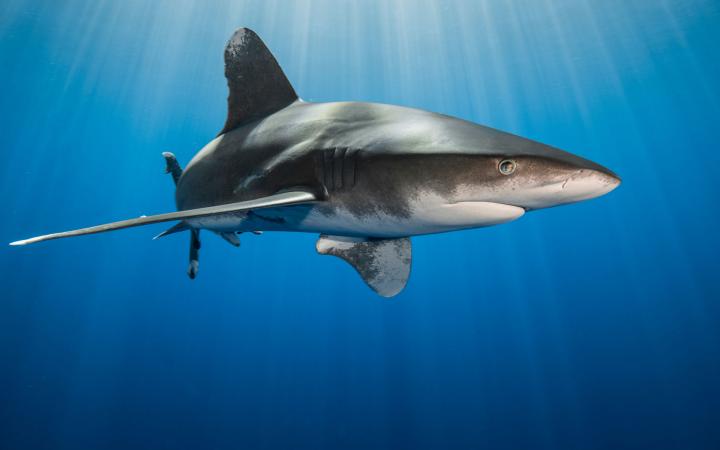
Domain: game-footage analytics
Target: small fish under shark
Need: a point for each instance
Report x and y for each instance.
(365, 176)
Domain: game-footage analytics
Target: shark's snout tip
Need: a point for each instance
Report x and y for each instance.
(585, 185)
(605, 181)
(607, 176)
(612, 180)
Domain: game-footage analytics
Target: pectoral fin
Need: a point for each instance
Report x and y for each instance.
(384, 264)
(277, 200)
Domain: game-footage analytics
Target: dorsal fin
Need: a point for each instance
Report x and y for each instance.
(384, 264)
(258, 87)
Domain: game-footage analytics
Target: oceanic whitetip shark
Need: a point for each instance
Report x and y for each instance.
(366, 176)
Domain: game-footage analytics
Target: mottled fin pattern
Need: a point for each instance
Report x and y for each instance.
(172, 166)
(194, 264)
(258, 87)
(384, 264)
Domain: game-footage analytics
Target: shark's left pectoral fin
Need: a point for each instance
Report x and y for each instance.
(384, 264)
(289, 198)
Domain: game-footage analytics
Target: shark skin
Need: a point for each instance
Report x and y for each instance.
(382, 171)
(365, 176)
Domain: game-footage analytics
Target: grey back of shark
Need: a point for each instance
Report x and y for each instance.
(365, 176)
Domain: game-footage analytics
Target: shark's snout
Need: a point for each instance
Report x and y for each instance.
(559, 181)
(581, 183)
(566, 178)
(586, 184)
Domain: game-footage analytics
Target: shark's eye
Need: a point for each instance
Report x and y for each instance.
(507, 166)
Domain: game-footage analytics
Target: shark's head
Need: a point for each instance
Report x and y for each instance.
(502, 168)
(547, 178)
(452, 174)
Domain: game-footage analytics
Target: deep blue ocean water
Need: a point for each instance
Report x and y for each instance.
(593, 325)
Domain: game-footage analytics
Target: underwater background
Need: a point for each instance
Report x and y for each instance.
(593, 325)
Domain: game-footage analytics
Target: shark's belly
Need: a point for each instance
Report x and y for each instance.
(425, 217)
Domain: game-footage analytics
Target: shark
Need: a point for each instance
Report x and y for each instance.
(364, 176)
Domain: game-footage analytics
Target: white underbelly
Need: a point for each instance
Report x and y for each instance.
(425, 217)
(422, 220)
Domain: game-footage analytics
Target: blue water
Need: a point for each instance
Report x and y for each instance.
(595, 325)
